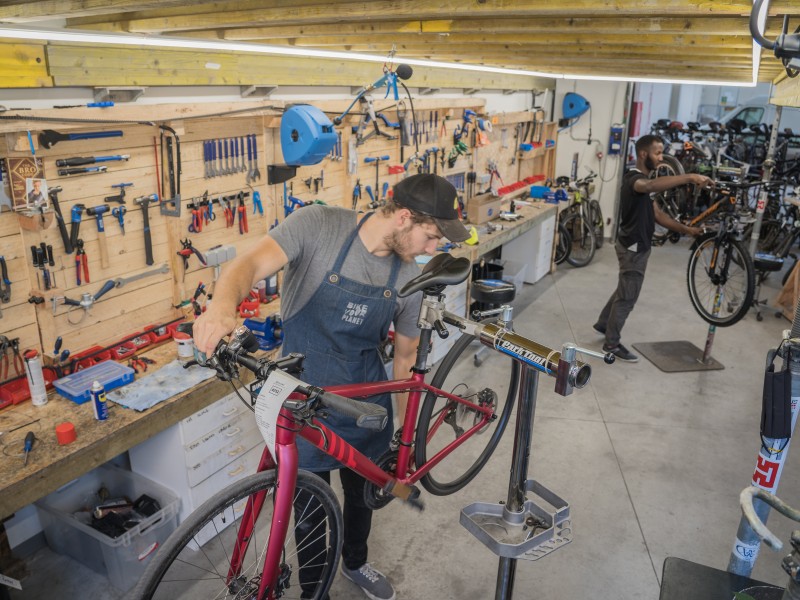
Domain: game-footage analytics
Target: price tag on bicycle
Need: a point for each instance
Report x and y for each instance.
(274, 392)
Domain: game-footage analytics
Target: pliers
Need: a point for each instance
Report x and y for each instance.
(140, 362)
(5, 282)
(19, 364)
(257, 206)
(242, 210)
(230, 218)
(209, 215)
(196, 226)
(81, 263)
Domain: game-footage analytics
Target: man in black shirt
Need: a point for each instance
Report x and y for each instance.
(638, 216)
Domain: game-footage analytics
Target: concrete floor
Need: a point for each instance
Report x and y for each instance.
(651, 463)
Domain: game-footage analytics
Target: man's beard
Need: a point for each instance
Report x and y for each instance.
(398, 242)
(650, 164)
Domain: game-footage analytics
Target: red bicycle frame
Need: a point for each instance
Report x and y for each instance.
(398, 483)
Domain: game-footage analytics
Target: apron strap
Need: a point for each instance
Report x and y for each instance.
(396, 263)
(337, 266)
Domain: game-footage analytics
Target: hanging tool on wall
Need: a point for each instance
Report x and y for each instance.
(258, 206)
(356, 193)
(97, 212)
(119, 198)
(242, 210)
(86, 302)
(79, 161)
(186, 251)
(5, 282)
(81, 264)
(144, 202)
(75, 222)
(49, 138)
(171, 207)
(119, 213)
(81, 171)
(62, 227)
(377, 160)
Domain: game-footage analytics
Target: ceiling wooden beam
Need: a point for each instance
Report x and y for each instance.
(283, 13)
(28, 11)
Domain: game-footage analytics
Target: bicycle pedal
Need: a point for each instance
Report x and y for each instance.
(414, 500)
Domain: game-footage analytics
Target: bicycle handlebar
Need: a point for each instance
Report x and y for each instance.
(749, 512)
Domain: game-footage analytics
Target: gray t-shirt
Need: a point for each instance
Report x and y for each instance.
(312, 238)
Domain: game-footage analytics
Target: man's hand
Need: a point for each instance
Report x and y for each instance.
(694, 231)
(211, 327)
(701, 181)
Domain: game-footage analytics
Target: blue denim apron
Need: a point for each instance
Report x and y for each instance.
(339, 331)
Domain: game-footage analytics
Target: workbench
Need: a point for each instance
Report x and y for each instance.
(50, 466)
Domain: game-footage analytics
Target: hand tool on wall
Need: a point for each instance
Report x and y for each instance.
(356, 193)
(40, 262)
(171, 206)
(119, 198)
(62, 227)
(196, 223)
(256, 174)
(4, 199)
(79, 161)
(144, 203)
(186, 252)
(5, 282)
(230, 217)
(119, 213)
(377, 160)
(97, 212)
(75, 216)
(206, 171)
(82, 171)
(257, 204)
(225, 144)
(220, 168)
(212, 157)
(81, 264)
(242, 210)
(86, 301)
(120, 281)
(49, 138)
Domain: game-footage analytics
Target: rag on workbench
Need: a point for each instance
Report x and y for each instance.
(170, 380)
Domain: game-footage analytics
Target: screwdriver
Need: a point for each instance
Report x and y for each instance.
(28, 445)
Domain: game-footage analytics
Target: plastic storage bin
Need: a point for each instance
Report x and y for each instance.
(514, 272)
(121, 559)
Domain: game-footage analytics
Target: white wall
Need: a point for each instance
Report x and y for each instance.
(607, 99)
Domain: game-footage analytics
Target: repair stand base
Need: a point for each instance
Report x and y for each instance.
(677, 357)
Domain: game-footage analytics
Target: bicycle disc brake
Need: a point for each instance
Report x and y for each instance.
(375, 497)
(244, 589)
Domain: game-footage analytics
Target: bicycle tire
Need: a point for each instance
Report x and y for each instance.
(675, 197)
(596, 218)
(738, 285)
(563, 243)
(457, 368)
(583, 244)
(177, 558)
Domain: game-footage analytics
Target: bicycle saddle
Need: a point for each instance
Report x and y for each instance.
(442, 270)
(736, 125)
(715, 126)
(693, 126)
(663, 123)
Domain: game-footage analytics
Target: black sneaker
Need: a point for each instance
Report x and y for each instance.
(621, 352)
(599, 329)
(371, 581)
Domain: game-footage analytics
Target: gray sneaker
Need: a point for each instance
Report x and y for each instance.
(621, 352)
(372, 581)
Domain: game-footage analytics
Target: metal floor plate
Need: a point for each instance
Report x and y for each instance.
(677, 357)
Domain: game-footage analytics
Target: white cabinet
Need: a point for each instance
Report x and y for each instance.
(202, 454)
(533, 248)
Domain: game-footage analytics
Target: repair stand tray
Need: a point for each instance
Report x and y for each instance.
(677, 357)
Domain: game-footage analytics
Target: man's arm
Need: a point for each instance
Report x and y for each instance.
(237, 279)
(661, 184)
(665, 220)
(405, 355)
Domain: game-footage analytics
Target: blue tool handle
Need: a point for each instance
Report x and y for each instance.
(29, 441)
(121, 185)
(76, 213)
(64, 356)
(219, 149)
(385, 189)
(107, 287)
(249, 148)
(369, 191)
(212, 149)
(57, 345)
(100, 104)
(94, 134)
(225, 146)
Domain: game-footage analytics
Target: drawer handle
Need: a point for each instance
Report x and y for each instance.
(236, 431)
(236, 471)
(230, 411)
(235, 451)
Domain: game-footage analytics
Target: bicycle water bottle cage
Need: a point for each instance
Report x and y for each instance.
(441, 271)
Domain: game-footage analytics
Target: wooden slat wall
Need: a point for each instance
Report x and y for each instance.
(123, 311)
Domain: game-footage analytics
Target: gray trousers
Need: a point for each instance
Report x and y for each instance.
(632, 266)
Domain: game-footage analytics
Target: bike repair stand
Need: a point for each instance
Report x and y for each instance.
(683, 356)
(520, 528)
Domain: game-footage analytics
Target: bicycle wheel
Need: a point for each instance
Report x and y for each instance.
(583, 242)
(733, 276)
(441, 421)
(563, 243)
(194, 561)
(672, 201)
(596, 218)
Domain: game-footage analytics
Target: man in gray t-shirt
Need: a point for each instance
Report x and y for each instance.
(343, 271)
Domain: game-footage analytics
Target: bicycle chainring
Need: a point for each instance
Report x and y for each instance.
(375, 497)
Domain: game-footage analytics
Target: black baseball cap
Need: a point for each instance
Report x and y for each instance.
(431, 195)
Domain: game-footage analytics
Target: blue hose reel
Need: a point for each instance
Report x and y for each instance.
(307, 135)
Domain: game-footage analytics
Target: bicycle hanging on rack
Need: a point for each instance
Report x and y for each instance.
(286, 542)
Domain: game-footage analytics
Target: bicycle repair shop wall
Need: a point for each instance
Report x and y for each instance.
(118, 169)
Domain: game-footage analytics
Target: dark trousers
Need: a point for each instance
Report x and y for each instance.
(632, 266)
(357, 524)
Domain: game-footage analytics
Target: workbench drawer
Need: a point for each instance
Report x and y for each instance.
(242, 467)
(207, 419)
(223, 434)
(243, 442)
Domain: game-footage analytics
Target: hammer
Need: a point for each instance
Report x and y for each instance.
(97, 212)
(144, 202)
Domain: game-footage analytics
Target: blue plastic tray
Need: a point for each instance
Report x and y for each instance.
(76, 387)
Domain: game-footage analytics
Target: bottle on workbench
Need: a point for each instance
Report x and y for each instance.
(33, 371)
(99, 403)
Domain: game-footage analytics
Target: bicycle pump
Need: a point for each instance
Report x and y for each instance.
(771, 457)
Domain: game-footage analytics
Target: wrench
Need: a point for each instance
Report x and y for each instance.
(243, 167)
(120, 281)
(220, 170)
(256, 172)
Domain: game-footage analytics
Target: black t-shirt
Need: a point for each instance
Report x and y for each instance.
(637, 219)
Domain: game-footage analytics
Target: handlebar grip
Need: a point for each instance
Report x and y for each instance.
(367, 415)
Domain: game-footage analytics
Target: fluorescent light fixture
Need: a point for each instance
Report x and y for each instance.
(57, 35)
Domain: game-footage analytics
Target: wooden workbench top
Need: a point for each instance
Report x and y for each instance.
(50, 466)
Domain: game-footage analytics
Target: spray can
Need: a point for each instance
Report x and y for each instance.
(99, 404)
(33, 371)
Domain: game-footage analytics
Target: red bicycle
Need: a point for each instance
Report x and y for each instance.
(288, 540)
